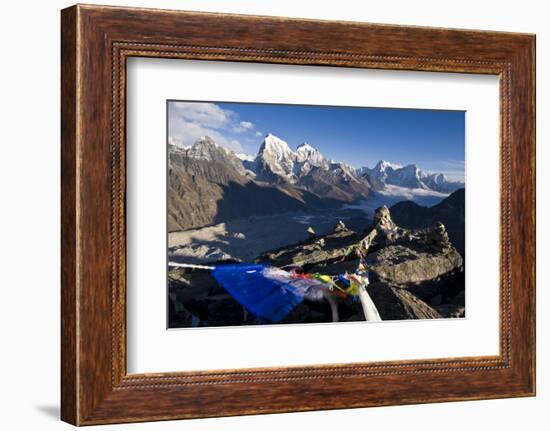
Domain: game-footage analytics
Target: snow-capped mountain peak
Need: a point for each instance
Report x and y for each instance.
(304, 146)
(437, 178)
(307, 155)
(204, 148)
(407, 176)
(411, 169)
(307, 168)
(439, 182)
(344, 170)
(246, 157)
(380, 171)
(383, 165)
(275, 146)
(275, 159)
(410, 176)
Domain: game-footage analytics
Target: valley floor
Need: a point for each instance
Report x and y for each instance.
(246, 238)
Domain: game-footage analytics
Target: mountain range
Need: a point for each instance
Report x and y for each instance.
(411, 176)
(209, 184)
(277, 162)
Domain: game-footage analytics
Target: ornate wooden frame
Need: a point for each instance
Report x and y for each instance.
(96, 41)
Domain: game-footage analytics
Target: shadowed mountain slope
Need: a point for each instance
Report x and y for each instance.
(450, 211)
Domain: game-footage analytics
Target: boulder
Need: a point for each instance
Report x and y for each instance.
(337, 246)
(447, 288)
(401, 264)
(394, 303)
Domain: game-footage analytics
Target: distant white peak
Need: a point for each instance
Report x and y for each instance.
(437, 178)
(276, 147)
(410, 171)
(176, 149)
(271, 139)
(204, 148)
(246, 157)
(206, 143)
(342, 166)
(412, 168)
(306, 153)
(345, 165)
(382, 165)
(203, 141)
(343, 170)
(176, 145)
(305, 147)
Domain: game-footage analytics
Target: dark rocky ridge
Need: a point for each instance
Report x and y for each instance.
(450, 211)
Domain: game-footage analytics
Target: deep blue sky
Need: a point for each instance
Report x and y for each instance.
(434, 140)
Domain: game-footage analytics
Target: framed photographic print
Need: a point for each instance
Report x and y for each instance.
(324, 214)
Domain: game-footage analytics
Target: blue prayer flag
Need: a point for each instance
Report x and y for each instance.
(267, 292)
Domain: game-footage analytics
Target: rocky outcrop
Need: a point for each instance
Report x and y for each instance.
(207, 173)
(400, 264)
(450, 212)
(415, 274)
(410, 256)
(336, 246)
(394, 303)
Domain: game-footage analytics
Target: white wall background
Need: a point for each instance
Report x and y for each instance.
(29, 215)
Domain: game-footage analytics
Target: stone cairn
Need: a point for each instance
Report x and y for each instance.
(340, 226)
(312, 236)
(385, 226)
(438, 238)
(383, 221)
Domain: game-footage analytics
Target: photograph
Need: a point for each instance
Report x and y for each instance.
(284, 213)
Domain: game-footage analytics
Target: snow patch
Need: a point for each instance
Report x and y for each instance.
(246, 157)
